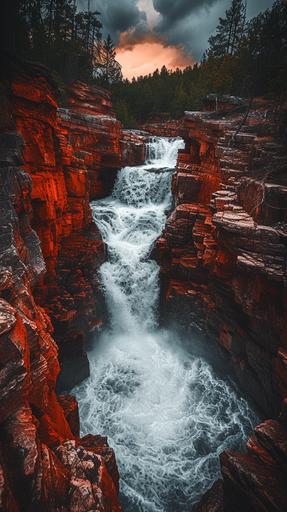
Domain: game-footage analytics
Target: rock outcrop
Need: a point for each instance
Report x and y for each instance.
(133, 147)
(49, 251)
(91, 129)
(223, 264)
(71, 156)
(160, 128)
(64, 155)
(53, 161)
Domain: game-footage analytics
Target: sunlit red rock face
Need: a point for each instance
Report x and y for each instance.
(44, 465)
(133, 147)
(223, 263)
(72, 156)
(94, 133)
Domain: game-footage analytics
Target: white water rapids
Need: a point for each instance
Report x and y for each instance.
(166, 414)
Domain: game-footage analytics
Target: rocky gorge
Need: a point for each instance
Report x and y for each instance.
(222, 258)
(223, 266)
(52, 162)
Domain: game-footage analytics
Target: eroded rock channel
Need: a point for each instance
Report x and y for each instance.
(165, 412)
(194, 238)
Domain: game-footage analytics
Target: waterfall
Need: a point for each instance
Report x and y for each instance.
(166, 414)
(130, 221)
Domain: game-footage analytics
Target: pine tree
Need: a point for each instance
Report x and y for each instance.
(266, 50)
(110, 70)
(230, 31)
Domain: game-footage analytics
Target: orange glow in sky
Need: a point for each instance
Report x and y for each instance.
(143, 58)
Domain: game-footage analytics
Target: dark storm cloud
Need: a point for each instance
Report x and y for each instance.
(190, 23)
(174, 10)
(118, 16)
(183, 23)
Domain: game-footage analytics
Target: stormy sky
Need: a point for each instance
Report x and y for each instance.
(150, 33)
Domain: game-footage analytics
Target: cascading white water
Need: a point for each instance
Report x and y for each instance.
(166, 414)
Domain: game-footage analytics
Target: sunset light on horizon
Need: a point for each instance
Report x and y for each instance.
(149, 34)
(144, 58)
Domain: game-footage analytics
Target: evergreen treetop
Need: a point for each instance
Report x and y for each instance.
(229, 31)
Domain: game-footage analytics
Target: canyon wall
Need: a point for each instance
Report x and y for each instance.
(52, 162)
(71, 156)
(223, 269)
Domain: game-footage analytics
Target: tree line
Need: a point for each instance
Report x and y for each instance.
(245, 57)
(68, 41)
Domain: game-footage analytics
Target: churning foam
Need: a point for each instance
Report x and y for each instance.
(166, 414)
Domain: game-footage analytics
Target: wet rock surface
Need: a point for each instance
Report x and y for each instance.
(133, 146)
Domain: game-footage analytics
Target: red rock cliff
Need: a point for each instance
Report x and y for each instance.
(223, 261)
(44, 465)
(71, 156)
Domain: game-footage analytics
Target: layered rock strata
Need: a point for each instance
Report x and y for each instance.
(60, 171)
(91, 129)
(44, 465)
(160, 128)
(223, 263)
(72, 156)
(133, 147)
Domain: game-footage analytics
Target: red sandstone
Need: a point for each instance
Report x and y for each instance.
(223, 266)
(50, 250)
(223, 262)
